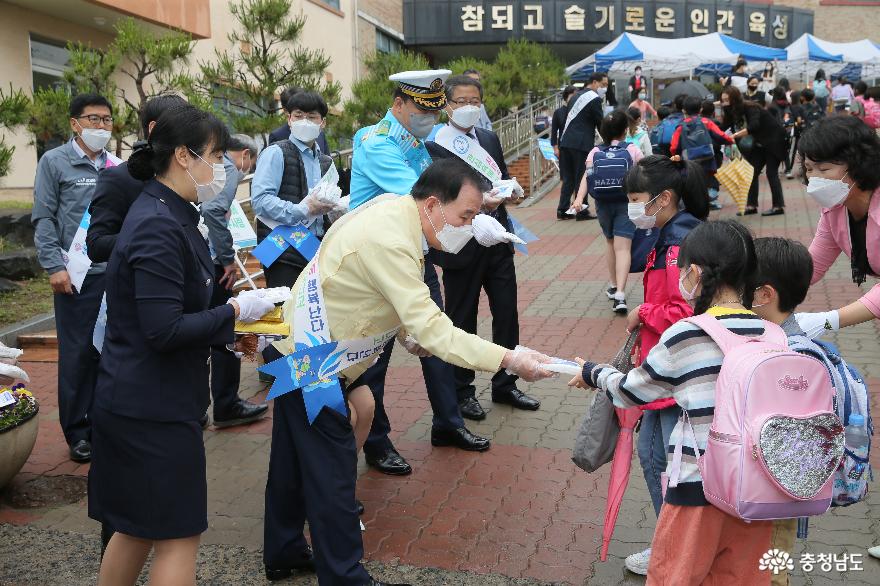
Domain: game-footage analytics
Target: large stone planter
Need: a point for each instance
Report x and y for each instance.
(16, 445)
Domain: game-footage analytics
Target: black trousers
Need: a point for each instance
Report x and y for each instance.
(282, 275)
(572, 164)
(312, 476)
(225, 366)
(75, 317)
(493, 270)
(761, 159)
(439, 380)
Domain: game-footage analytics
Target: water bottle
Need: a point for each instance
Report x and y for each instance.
(857, 438)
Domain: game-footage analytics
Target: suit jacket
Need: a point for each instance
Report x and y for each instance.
(283, 133)
(465, 257)
(557, 124)
(581, 133)
(372, 274)
(115, 191)
(155, 361)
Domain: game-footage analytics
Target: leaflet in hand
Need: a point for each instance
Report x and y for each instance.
(563, 367)
(277, 294)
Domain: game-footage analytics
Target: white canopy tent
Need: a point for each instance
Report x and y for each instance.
(809, 53)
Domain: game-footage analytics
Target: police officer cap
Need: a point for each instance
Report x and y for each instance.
(424, 87)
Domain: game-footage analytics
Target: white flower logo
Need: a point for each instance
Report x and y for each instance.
(776, 560)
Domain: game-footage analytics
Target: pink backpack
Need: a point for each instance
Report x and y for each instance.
(775, 440)
(872, 112)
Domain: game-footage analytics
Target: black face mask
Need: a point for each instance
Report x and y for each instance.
(753, 88)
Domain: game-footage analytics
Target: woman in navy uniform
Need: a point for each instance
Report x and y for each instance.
(147, 480)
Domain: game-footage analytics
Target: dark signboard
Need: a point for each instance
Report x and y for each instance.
(456, 22)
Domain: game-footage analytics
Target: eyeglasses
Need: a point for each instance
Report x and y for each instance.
(464, 102)
(311, 116)
(95, 119)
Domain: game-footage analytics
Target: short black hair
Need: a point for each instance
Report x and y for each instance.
(808, 95)
(308, 102)
(634, 113)
(469, 71)
(692, 105)
(461, 80)
(845, 140)
(678, 102)
(288, 93)
(183, 125)
(444, 179)
(567, 92)
(597, 76)
(707, 110)
(663, 112)
(614, 126)
(82, 101)
(154, 108)
(785, 265)
(873, 93)
(860, 87)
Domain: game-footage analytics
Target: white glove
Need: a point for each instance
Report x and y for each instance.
(252, 305)
(508, 188)
(317, 205)
(340, 208)
(488, 231)
(413, 347)
(816, 324)
(526, 364)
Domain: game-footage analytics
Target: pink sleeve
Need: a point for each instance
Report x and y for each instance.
(590, 156)
(634, 152)
(871, 300)
(824, 248)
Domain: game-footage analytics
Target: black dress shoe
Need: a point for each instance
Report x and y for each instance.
(81, 451)
(360, 507)
(471, 409)
(305, 564)
(584, 215)
(517, 399)
(460, 438)
(374, 582)
(563, 216)
(748, 212)
(773, 212)
(389, 462)
(242, 412)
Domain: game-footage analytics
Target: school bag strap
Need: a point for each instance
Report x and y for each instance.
(727, 340)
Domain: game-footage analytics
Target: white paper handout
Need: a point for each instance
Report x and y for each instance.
(76, 259)
(243, 235)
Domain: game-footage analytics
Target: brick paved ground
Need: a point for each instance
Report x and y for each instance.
(518, 514)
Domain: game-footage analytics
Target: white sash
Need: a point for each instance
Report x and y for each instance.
(579, 105)
(468, 150)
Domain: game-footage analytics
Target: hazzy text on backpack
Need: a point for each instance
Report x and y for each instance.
(610, 165)
(775, 440)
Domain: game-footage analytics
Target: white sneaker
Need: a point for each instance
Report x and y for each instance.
(637, 563)
(619, 304)
(874, 551)
(610, 292)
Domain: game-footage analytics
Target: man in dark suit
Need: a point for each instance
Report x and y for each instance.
(557, 123)
(578, 138)
(478, 267)
(283, 131)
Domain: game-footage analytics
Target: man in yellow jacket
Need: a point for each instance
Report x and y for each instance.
(370, 267)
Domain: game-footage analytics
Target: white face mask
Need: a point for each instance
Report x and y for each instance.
(95, 138)
(420, 125)
(828, 193)
(452, 238)
(602, 91)
(305, 130)
(465, 116)
(685, 294)
(637, 215)
(209, 191)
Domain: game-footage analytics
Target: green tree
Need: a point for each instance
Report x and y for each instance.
(14, 112)
(267, 58)
(371, 95)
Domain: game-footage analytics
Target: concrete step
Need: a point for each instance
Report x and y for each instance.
(45, 339)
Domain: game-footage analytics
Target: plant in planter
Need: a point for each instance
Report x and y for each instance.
(18, 416)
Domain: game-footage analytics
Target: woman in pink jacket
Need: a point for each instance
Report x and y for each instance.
(841, 162)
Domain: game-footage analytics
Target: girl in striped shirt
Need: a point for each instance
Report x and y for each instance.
(696, 543)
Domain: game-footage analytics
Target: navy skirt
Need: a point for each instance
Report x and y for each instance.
(147, 478)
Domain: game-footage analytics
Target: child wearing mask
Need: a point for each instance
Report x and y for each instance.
(646, 110)
(695, 542)
(667, 199)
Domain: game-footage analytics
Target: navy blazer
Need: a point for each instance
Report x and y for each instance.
(581, 133)
(155, 361)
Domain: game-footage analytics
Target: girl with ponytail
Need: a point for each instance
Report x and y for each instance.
(695, 541)
(667, 200)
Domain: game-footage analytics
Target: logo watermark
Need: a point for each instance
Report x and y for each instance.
(776, 561)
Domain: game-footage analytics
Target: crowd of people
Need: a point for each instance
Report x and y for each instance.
(134, 396)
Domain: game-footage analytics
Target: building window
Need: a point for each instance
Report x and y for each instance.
(385, 43)
(48, 62)
(332, 3)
